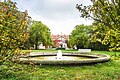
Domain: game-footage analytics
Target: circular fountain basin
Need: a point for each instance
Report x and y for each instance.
(67, 58)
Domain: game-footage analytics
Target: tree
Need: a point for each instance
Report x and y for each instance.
(80, 36)
(39, 33)
(106, 13)
(47, 39)
(13, 29)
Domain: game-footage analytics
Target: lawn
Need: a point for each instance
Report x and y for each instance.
(101, 71)
(50, 50)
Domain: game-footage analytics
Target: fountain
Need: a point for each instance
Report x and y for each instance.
(59, 55)
(63, 58)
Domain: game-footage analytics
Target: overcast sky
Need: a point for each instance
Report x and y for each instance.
(58, 15)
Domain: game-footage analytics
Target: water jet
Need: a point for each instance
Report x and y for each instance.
(59, 55)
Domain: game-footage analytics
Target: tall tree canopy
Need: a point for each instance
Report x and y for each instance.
(13, 29)
(80, 36)
(39, 33)
(106, 16)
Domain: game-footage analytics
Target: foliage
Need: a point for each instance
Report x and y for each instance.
(106, 16)
(80, 36)
(13, 29)
(39, 33)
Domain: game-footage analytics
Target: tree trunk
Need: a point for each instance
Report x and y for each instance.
(46, 46)
(36, 43)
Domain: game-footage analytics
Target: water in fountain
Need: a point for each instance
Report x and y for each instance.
(59, 55)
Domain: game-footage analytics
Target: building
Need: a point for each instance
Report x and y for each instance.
(60, 40)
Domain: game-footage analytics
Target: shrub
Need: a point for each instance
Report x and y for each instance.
(13, 30)
(60, 48)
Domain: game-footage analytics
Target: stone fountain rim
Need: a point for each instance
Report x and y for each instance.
(97, 58)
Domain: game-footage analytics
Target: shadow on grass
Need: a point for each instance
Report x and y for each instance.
(106, 63)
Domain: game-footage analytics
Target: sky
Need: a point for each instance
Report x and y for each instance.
(60, 16)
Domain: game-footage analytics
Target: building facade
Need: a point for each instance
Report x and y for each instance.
(60, 40)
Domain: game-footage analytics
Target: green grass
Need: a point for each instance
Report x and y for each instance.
(49, 50)
(101, 71)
